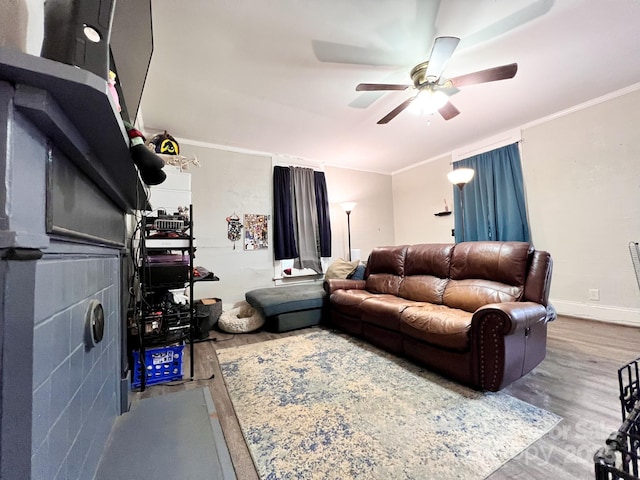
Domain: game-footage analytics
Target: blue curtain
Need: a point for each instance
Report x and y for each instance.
(494, 203)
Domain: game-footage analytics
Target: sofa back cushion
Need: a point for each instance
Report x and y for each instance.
(385, 268)
(428, 259)
(539, 278)
(426, 270)
(487, 272)
(423, 288)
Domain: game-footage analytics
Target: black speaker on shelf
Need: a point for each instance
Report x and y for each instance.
(77, 32)
(103, 35)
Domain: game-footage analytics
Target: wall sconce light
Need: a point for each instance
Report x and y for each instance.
(460, 177)
(348, 207)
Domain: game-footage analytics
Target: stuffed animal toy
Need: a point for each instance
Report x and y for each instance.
(111, 85)
(165, 144)
(149, 164)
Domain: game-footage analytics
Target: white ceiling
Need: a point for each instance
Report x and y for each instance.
(256, 74)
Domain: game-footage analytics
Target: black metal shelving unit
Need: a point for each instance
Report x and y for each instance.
(161, 321)
(619, 458)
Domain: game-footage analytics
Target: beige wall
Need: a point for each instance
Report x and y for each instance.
(228, 182)
(582, 182)
(371, 219)
(224, 184)
(582, 176)
(418, 194)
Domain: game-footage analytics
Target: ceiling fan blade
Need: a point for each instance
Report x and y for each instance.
(449, 91)
(366, 99)
(443, 48)
(521, 17)
(374, 87)
(424, 29)
(449, 111)
(339, 53)
(393, 113)
(483, 76)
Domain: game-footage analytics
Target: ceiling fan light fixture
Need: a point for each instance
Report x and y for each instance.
(429, 101)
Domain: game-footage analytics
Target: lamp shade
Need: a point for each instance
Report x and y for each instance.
(461, 176)
(348, 206)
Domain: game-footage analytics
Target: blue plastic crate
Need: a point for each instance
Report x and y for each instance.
(161, 365)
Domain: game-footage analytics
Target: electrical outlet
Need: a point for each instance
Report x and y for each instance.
(594, 294)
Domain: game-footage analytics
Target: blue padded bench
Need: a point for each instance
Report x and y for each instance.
(289, 307)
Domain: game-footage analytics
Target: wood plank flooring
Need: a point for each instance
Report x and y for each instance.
(577, 380)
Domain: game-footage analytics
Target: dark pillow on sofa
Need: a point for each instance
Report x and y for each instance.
(358, 273)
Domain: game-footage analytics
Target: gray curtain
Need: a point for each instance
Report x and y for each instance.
(305, 219)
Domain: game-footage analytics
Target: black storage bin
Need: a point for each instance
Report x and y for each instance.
(207, 312)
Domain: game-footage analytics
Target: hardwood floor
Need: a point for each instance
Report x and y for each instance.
(577, 380)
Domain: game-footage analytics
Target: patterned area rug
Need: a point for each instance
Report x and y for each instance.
(327, 406)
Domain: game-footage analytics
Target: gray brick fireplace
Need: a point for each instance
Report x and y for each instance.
(67, 187)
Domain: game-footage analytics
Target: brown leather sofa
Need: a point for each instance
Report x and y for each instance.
(476, 312)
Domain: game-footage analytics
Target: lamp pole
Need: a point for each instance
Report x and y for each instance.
(461, 187)
(348, 207)
(349, 231)
(460, 177)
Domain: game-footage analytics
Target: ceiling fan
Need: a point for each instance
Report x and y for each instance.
(433, 91)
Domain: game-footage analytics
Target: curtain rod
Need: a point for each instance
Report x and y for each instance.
(484, 151)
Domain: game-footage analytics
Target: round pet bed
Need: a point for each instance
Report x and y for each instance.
(240, 319)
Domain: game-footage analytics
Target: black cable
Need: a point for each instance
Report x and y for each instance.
(222, 339)
(182, 382)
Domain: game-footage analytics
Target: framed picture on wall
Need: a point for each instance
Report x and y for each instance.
(256, 232)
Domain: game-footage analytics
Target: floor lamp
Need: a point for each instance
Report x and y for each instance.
(348, 207)
(460, 177)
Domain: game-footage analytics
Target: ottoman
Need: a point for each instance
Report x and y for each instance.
(289, 307)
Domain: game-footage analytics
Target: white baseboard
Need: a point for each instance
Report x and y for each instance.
(604, 313)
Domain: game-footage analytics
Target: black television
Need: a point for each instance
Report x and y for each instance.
(131, 51)
(103, 35)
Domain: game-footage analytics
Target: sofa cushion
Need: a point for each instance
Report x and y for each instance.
(383, 283)
(271, 301)
(504, 262)
(348, 301)
(438, 325)
(384, 310)
(539, 278)
(472, 294)
(486, 272)
(385, 269)
(423, 288)
(387, 260)
(428, 259)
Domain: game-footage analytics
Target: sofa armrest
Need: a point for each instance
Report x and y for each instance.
(507, 340)
(333, 284)
(509, 317)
